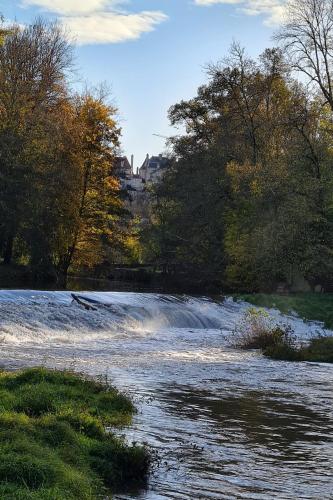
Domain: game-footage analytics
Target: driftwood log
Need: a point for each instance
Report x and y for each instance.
(88, 307)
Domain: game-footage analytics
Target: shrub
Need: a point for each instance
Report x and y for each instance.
(319, 350)
(284, 352)
(256, 330)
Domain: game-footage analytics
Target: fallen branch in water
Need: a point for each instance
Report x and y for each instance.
(88, 307)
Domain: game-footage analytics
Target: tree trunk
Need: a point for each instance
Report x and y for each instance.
(63, 274)
(8, 252)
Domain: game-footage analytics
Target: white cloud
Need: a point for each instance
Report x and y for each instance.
(68, 7)
(109, 27)
(100, 21)
(273, 10)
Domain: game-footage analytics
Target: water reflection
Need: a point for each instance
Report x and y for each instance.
(245, 444)
(272, 420)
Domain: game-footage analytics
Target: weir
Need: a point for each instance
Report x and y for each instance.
(32, 315)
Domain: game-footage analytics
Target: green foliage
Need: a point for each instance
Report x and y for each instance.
(319, 350)
(53, 442)
(187, 229)
(248, 198)
(283, 352)
(257, 330)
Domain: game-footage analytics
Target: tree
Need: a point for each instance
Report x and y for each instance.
(53, 157)
(307, 36)
(33, 65)
(3, 31)
(59, 199)
(248, 197)
(97, 204)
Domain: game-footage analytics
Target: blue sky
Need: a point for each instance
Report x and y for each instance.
(152, 52)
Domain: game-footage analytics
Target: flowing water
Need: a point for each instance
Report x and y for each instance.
(226, 424)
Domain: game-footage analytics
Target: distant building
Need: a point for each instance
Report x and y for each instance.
(123, 167)
(152, 169)
(135, 185)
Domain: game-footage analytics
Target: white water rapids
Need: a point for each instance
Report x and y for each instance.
(226, 424)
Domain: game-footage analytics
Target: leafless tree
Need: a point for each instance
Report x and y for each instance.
(307, 37)
(33, 63)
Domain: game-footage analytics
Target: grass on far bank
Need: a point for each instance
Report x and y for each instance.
(53, 442)
(309, 306)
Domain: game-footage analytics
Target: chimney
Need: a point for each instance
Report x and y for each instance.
(132, 164)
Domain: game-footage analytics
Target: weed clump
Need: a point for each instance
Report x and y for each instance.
(53, 439)
(319, 350)
(257, 331)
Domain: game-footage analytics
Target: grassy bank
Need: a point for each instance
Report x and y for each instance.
(309, 306)
(53, 442)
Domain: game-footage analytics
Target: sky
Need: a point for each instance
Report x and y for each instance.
(152, 53)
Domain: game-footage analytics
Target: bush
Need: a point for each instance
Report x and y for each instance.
(319, 350)
(53, 438)
(257, 331)
(283, 352)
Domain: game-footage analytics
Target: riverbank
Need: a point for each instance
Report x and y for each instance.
(54, 442)
(309, 306)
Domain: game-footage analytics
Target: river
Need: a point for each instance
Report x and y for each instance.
(226, 424)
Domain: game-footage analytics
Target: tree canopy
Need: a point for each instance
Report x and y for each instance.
(248, 199)
(60, 205)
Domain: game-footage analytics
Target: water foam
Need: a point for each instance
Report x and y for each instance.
(37, 317)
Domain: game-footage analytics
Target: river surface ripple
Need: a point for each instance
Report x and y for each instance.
(226, 424)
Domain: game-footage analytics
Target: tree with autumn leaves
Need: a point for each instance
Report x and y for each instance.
(60, 204)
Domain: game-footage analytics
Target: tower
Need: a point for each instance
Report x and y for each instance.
(132, 164)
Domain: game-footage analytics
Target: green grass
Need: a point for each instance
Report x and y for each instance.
(309, 306)
(53, 442)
